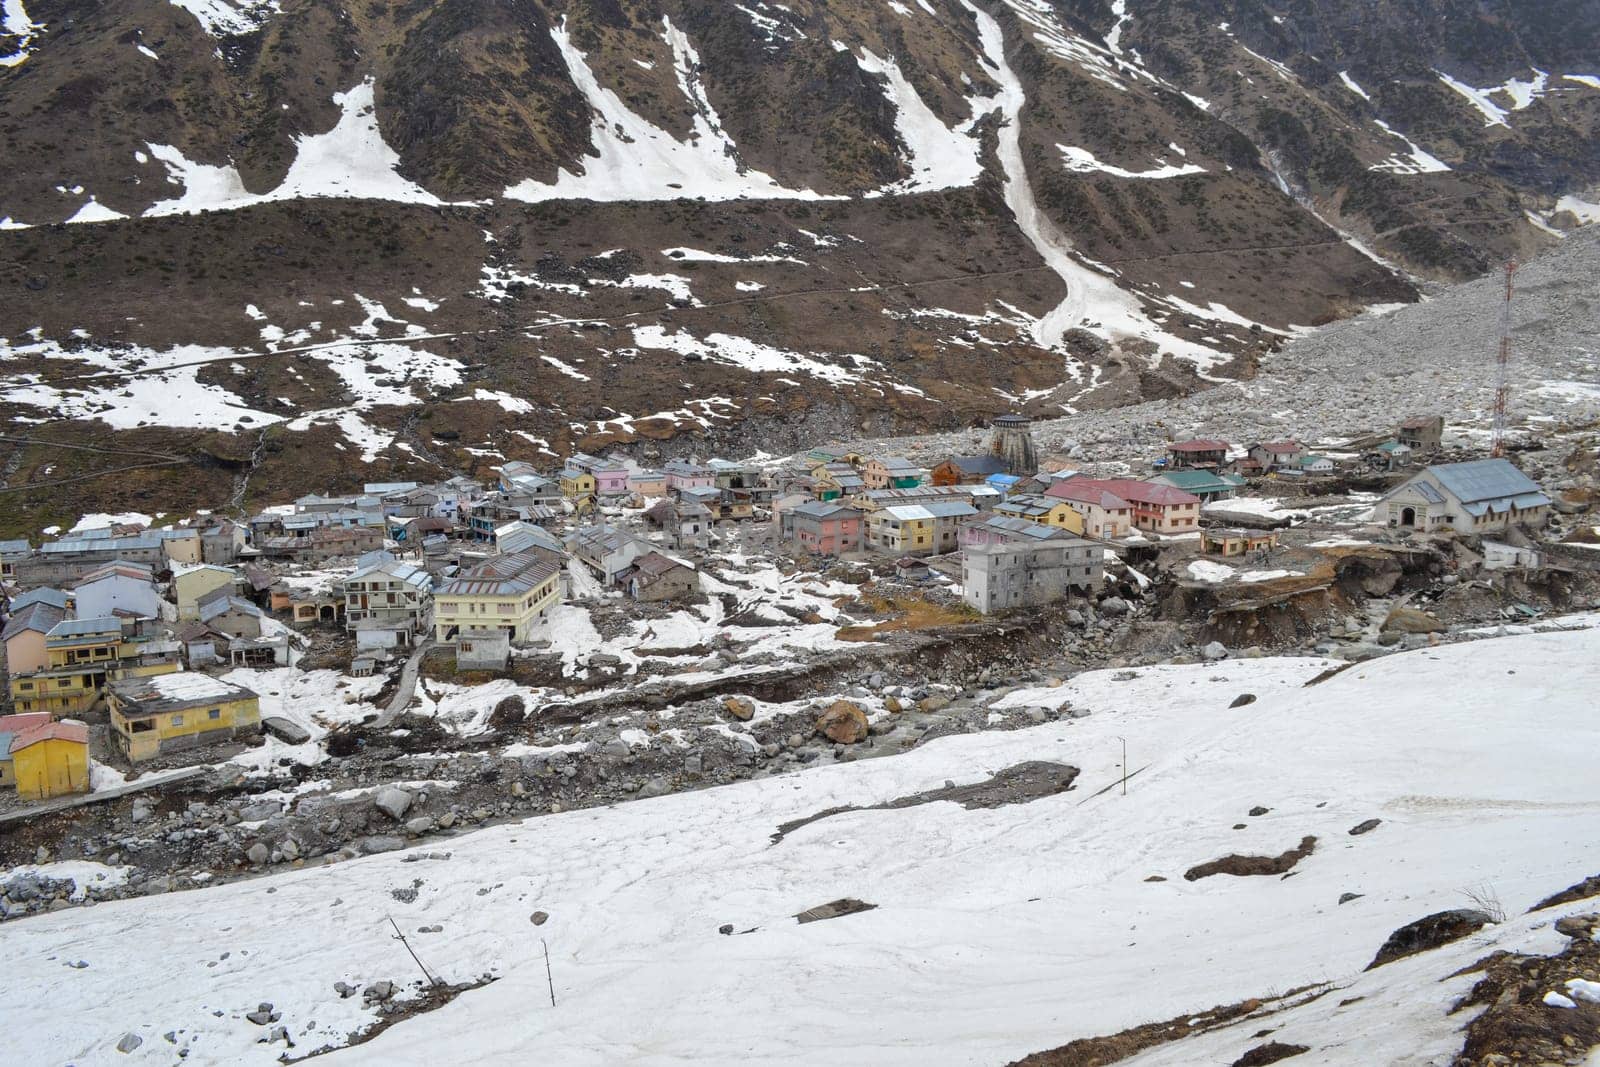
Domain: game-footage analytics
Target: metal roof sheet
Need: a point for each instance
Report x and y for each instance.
(1484, 480)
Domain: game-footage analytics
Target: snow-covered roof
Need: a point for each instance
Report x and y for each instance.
(170, 692)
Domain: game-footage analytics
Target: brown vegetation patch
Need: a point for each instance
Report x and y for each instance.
(432, 998)
(1517, 1026)
(1589, 887)
(1113, 1048)
(1271, 1052)
(1242, 866)
(908, 614)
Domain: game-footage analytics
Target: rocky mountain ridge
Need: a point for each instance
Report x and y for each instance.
(423, 237)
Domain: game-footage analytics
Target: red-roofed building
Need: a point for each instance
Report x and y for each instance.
(1274, 454)
(1154, 507)
(1201, 452)
(1105, 514)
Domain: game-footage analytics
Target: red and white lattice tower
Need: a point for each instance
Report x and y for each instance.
(1502, 379)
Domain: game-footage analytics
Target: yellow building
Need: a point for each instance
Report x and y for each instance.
(169, 712)
(191, 583)
(514, 593)
(577, 484)
(906, 530)
(1047, 511)
(82, 655)
(51, 760)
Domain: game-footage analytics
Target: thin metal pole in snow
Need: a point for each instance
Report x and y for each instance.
(1124, 741)
(398, 936)
(547, 976)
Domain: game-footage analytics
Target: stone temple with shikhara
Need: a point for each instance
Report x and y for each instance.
(1012, 440)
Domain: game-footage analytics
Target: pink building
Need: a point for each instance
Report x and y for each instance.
(684, 475)
(1157, 508)
(823, 528)
(1105, 514)
(610, 477)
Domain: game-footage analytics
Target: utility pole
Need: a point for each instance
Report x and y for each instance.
(1502, 374)
(1124, 741)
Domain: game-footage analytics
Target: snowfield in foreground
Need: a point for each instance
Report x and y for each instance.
(997, 932)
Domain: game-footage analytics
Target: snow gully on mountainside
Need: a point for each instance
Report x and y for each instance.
(1093, 302)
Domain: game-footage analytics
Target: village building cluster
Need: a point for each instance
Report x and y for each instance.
(132, 627)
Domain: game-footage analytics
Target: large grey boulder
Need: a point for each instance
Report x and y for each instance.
(392, 801)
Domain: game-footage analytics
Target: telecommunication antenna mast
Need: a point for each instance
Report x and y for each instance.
(1502, 383)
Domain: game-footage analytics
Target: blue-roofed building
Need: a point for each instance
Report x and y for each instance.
(1005, 483)
(1482, 496)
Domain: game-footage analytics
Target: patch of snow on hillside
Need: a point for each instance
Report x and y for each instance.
(635, 160)
(1205, 570)
(937, 156)
(227, 18)
(1219, 312)
(1350, 83)
(157, 397)
(774, 30)
(1416, 161)
(751, 355)
(695, 255)
(1278, 68)
(1268, 576)
(1493, 114)
(1083, 161)
(514, 404)
(1119, 8)
(1100, 61)
(351, 160)
(1524, 93)
(94, 211)
(15, 22)
(1582, 210)
(1591, 80)
(1093, 302)
(565, 368)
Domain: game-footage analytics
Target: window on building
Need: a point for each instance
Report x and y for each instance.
(214, 713)
(177, 720)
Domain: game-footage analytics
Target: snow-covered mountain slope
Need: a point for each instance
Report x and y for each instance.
(996, 932)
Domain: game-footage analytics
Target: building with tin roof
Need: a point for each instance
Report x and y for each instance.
(1477, 497)
(515, 593)
(171, 712)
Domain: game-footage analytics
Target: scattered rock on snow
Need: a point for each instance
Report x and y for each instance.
(539, 918)
(1364, 827)
(1243, 699)
(834, 909)
(129, 1042)
(740, 708)
(1271, 1052)
(1430, 931)
(843, 723)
